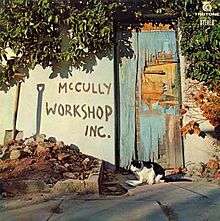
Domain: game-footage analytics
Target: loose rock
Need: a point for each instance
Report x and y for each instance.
(27, 150)
(63, 156)
(29, 141)
(85, 162)
(52, 140)
(15, 154)
(68, 186)
(213, 164)
(59, 145)
(40, 138)
(41, 149)
(74, 147)
(66, 165)
(69, 175)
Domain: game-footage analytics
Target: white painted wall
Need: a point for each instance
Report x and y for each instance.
(196, 150)
(7, 105)
(68, 128)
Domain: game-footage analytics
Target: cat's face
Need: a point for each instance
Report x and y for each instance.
(136, 165)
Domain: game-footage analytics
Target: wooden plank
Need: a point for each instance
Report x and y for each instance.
(178, 143)
(174, 141)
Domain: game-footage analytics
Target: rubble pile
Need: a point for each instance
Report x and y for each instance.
(48, 160)
(209, 171)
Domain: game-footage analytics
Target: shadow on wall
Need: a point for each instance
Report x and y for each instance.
(214, 133)
(87, 64)
(40, 89)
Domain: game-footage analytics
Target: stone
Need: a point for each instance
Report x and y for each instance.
(196, 169)
(75, 168)
(213, 164)
(82, 176)
(59, 145)
(69, 175)
(61, 168)
(35, 186)
(51, 146)
(15, 147)
(63, 156)
(52, 140)
(27, 150)
(40, 138)
(74, 147)
(49, 165)
(15, 154)
(85, 161)
(41, 149)
(69, 186)
(29, 141)
(66, 165)
(92, 184)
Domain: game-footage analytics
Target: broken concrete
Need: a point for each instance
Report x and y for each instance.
(23, 187)
(69, 186)
(89, 185)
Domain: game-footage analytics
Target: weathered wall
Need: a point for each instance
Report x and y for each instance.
(195, 148)
(65, 110)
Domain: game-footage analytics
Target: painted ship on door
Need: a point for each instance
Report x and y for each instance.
(150, 94)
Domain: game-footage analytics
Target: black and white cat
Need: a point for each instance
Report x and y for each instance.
(146, 171)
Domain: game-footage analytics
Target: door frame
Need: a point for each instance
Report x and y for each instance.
(117, 98)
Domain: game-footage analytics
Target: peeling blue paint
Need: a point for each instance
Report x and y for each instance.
(127, 108)
(152, 130)
(152, 123)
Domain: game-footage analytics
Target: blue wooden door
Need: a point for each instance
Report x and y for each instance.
(150, 92)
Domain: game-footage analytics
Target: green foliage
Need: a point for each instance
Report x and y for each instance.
(200, 44)
(66, 34)
(53, 34)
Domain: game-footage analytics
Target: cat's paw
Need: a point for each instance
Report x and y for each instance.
(133, 182)
(129, 182)
(151, 182)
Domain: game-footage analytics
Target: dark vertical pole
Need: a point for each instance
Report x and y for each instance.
(179, 83)
(14, 132)
(116, 96)
(136, 100)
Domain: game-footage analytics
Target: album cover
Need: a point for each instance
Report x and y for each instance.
(109, 110)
